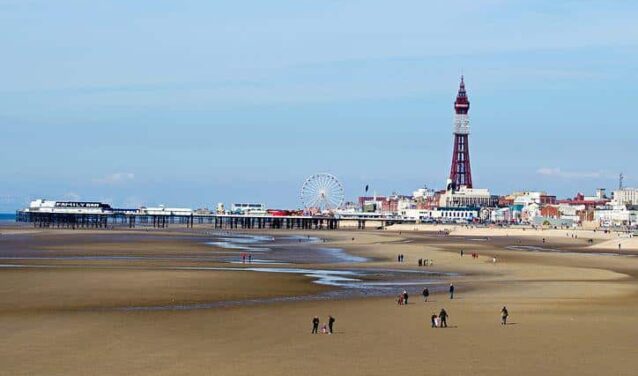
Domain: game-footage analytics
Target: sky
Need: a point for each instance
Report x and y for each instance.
(190, 103)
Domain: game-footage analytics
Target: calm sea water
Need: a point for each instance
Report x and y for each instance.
(7, 217)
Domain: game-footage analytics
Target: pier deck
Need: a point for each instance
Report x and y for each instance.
(218, 221)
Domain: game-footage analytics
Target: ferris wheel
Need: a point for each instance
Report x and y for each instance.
(322, 191)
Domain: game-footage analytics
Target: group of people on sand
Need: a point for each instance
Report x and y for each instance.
(474, 255)
(403, 298)
(437, 321)
(426, 292)
(325, 328)
(425, 262)
(246, 257)
(440, 320)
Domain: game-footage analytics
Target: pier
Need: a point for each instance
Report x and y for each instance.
(217, 221)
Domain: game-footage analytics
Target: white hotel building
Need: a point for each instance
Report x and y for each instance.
(626, 196)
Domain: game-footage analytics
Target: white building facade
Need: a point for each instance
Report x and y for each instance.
(441, 214)
(626, 196)
(466, 197)
(616, 215)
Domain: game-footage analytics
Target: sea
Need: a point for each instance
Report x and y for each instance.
(7, 217)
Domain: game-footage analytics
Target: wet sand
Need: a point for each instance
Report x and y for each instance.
(571, 313)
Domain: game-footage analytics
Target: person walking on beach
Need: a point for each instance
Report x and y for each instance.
(443, 317)
(451, 291)
(433, 318)
(405, 297)
(461, 253)
(331, 322)
(315, 325)
(504, 315)
(426, 293)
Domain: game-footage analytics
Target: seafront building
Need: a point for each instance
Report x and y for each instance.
(160, 210)
(462, 215)
(67, 207)
(621, 210)
(626, 196)
(98, 208)
(247, 208)
(527, 198)
(616, 215)
(468, 197)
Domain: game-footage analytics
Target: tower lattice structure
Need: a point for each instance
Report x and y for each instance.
(460, 172)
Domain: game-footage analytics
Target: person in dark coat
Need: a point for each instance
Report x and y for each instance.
(315, 325)
(405, 297)
(331, 321)
(504, 315)
(426, 293)
(443, 316)
(451, 291)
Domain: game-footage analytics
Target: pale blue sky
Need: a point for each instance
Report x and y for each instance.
(195, 102)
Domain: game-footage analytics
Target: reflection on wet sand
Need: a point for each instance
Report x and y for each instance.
(287, 252)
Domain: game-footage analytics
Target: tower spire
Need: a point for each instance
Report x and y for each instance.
(462, 103)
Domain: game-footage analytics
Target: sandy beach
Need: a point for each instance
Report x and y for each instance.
(149, 303)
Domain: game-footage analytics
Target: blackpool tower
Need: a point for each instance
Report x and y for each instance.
(460, 172)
